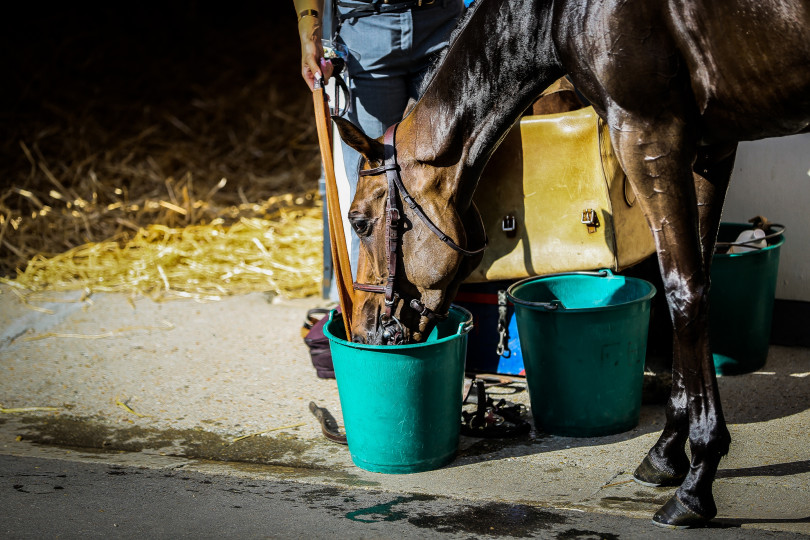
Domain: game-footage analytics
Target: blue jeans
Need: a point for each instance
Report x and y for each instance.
(389, 55)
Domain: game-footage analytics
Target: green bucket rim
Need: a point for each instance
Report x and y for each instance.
(464, 327)
(558, 307)
(780, 233)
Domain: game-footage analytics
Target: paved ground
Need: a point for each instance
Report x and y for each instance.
(175, 384)
(49, 498)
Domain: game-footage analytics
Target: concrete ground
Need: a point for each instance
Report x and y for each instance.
(225, 386)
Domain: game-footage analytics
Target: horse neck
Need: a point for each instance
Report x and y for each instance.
(497, 63)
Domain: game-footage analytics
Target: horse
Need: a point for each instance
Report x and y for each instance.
(678, 83)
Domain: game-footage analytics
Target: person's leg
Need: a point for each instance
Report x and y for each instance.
(378, 104)
(432, 29)
(388, 57)
(327, 282)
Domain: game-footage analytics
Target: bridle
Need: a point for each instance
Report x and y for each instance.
(393, 331)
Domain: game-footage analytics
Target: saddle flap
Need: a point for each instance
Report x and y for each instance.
(553, 199)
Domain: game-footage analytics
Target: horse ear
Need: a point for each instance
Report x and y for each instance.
(371, 149)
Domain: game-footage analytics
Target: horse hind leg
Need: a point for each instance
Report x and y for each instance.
(657, 158)
(712, 172)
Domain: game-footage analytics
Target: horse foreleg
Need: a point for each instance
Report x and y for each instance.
(667, 463)
(712, 172)
(657, 159)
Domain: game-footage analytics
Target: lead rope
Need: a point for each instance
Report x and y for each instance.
(503, 328)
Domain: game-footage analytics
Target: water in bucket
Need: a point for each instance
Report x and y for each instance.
(402, 404)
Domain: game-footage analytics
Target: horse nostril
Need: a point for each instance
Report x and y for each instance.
(375, 338)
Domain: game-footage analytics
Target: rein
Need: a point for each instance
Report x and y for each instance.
(393, 238)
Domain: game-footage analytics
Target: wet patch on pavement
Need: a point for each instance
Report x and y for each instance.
(91, 434)
(640, 501)
(339, 477)
(385, 511)
(495, 519)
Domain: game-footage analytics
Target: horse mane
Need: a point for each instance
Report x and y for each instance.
(439, 59)
(484, 80)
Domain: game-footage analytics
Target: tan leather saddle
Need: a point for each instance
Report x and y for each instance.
(553, 198)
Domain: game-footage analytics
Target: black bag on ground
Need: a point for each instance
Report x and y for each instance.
(318, 343)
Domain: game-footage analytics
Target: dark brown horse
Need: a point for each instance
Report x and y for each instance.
(679, 84)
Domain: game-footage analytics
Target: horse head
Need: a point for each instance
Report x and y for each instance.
(411, 234)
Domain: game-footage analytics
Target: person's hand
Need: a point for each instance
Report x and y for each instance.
(313, 64)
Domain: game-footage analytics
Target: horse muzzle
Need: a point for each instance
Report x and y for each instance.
(389, 331)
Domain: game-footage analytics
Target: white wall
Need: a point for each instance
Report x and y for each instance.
(772, 178)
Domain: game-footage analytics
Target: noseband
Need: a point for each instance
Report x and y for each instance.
(393, 235)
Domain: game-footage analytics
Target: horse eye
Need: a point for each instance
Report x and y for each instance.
(360, 224)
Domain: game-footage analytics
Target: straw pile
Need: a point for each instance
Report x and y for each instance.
(180, 164)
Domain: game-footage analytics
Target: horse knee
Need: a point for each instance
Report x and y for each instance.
(688, 303)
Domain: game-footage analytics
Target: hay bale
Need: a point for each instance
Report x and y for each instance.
(110, 137)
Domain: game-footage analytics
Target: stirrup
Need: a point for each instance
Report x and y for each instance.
(493, 420)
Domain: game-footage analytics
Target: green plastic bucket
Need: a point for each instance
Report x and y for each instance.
(741, 301)
(402, 403)
(584, 339)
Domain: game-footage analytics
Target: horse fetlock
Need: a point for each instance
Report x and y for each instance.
(697, 497)
(721, 442)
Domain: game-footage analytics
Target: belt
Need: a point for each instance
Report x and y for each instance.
(354, 3)
(379, 6)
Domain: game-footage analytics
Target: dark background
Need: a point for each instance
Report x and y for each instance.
(136, 49)
(112, 60)
(134, 96)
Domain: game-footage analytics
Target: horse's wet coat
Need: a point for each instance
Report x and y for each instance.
(679, 84)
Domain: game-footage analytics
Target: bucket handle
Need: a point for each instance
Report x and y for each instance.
(466, 325)
(767, 237)
(554, 304)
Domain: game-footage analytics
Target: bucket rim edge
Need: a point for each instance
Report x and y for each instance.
(748, 226)
(467, 316)
(603, 274)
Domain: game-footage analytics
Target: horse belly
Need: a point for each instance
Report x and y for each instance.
(749, 66)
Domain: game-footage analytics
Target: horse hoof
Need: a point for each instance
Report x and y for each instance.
(676, 515)
(647, 474)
